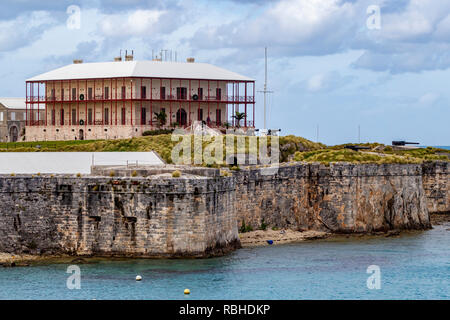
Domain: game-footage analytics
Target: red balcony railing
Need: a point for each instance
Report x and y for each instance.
(100, 98)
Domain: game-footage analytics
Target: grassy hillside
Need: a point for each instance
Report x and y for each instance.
(291, 148)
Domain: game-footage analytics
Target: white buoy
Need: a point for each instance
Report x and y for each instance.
(138, 278)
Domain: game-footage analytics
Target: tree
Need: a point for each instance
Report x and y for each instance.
(239, 116)
(161, 118)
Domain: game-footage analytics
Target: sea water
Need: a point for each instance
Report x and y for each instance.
(412, 266)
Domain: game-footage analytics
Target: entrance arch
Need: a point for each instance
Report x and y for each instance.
(13, 134)
(81, 134)
(181, 117)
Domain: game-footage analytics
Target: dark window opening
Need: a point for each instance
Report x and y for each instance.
(200, 94)
(74, 116)
(218, 94)
(163, 93)
(90, 117)
(89, 93)
(143, 116)
(123, 116)
(106, 116)
(74, 93)
(106, 93)
(218, 116)
(143, 92)
(181, 93)
(200, 115)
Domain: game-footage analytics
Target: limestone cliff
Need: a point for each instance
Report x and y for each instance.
(340, 198)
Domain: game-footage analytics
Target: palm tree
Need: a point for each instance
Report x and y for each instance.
(161, 118)
(239, 116)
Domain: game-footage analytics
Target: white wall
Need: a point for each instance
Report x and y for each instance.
(69, 162)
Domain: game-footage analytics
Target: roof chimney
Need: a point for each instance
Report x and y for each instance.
(129, 57)
(117, 59)
(77, 61)
(190, 60)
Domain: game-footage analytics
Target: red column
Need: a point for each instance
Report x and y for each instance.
(179, 107)
(94, 101)
(116, 101)
(253, 104)
(207, 122)
(151, 101)
(26, 103)
(77, 96)
(123, 102)
(190, 95)
(131, 101)
(245, 99)
(226, 104)
(141, 102)
(70, 103)
(85, 106)
(103, 102)
(234, 98)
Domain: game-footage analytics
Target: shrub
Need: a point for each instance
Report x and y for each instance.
(13, 174)
(245, 228)
(78, 175)
(263, 225)
(112, 173)
(134, 173)
(176, 174)
(224, 173)
(156, 132)
(235, 168)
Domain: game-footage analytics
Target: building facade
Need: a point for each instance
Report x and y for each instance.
(122, 99)
(13, 118)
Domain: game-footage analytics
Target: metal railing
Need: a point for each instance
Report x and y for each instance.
(222, 99)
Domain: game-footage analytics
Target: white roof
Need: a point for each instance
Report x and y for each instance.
(17, 103)
(150, 69)
(13, 103)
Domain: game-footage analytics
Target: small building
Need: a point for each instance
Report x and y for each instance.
(122, 99)
(13, 118)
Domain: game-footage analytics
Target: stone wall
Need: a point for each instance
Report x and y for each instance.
(199, 215)
(436, 182)
(103, 216)
(339, 198)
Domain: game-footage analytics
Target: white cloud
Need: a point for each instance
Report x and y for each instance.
(23, 30)
(139, 22)
(428, 99)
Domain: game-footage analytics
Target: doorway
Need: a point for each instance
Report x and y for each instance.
(14, 134)
(81, 134)
(181, 117)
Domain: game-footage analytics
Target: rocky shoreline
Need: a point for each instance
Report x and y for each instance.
(250, 239)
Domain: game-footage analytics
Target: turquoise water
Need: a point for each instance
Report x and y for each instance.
(442, 147)
(413, 266)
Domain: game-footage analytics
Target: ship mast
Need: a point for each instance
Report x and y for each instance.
(265, 91)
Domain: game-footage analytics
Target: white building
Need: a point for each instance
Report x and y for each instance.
(121, 99)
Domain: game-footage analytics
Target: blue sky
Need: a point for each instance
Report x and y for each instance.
(326, 67)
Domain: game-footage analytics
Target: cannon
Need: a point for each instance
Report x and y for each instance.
(402, 143)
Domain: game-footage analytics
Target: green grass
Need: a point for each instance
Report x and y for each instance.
(291, 148)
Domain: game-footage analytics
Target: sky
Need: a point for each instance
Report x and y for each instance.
(336, 67)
